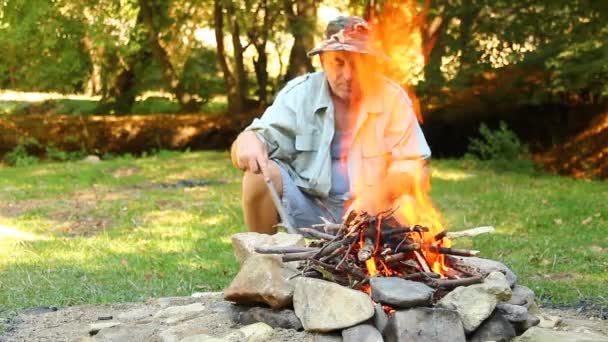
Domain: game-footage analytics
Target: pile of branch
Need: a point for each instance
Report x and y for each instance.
(365, 245)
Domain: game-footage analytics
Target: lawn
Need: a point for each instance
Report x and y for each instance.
(76, 232)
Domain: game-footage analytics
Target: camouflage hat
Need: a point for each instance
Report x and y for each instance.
(348, 34)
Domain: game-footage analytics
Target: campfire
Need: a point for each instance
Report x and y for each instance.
(366, 246)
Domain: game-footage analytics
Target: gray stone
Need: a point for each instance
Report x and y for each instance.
(496, 283)
(335, 337)
(380, 317)
(94, 328)
(521, 295)
(91, 159)
(424, 325)
(495, 328)
(537, 334)
(483, 266)
(529, 322)
(262, 279)
(513, 313)
(362, 333)
(473, 303)
(285, 319)
(176, 314)
(257, 332)
(324, 306)
(400, 293)
(244, 243)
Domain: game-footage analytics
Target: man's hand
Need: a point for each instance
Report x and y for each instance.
(250, 153)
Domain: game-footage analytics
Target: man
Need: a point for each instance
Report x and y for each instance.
(332, 138)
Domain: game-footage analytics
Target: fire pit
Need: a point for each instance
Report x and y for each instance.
(373, 279)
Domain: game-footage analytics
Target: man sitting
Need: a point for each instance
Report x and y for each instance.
(333, 138)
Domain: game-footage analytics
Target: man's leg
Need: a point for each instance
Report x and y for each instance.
(258, 209)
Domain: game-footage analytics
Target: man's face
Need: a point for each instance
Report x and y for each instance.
(347, 73)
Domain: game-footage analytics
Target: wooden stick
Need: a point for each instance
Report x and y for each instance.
(366, 251)
(422, 262)
(421, 275)
(453, 283)
(470, 232)
(297, 256)
(316, 234)
(451, 251)
(286, 222)
(283, 249)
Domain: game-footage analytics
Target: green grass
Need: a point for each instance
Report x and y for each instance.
(106, 233)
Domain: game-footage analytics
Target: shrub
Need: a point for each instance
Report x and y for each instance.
(501, 147)
(21, 155)
(500, 144)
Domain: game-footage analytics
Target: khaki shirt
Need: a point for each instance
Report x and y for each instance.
(299, 126)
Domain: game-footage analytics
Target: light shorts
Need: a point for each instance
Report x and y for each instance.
(304, 209)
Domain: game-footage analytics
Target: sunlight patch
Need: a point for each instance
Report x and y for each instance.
(14, 233)
(451, 175)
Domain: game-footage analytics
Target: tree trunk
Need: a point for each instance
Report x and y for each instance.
(238, 103)
(160, 54)
(93, 86)
(301, 21)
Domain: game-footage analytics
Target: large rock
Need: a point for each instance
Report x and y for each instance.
(483, 266)
(496, 283)
(529, 322)
(424, 325)
(324, 306)
(473, 303)
(521, 295)
(513, 313)
(380, 317)
(244, 243)
(495, 328)
(537, 334)
(400, 293)
(262, 279)
(362, 333)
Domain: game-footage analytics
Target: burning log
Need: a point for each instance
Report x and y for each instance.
(365, 246)
(366, 250)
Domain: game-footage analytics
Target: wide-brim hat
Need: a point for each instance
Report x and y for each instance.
(352, 34)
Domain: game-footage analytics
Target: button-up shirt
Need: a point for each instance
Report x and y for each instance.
(299, 126)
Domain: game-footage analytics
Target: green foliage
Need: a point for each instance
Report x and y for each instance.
(55, 154)
(22, 155)
(501, 147)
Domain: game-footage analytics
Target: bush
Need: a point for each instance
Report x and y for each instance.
(501, 147)
(21, 154)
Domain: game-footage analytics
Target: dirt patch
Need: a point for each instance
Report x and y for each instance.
(137, 321)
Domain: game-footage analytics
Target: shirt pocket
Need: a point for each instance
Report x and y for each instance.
(307, 147)
(307, 142)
